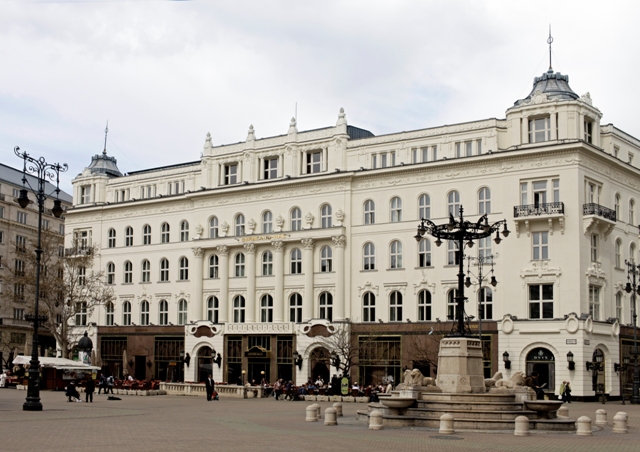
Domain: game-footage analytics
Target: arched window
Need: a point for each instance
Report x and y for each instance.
(452, 253)
(325, 216)
(619, 306)
(424, 305)
(146, 271)
(239, 265)
(424, 253)
(184, 269)
(484, 248)
(164, 270)
(182, 312)
(109, 309)
(144, 312)
(616, 205)
(452, 308)
(369, 256)
(164, 235)
(632, 212)
(128, 236)
(395, 306)
(368, 307)
(395, 253)
(213, 267)
(212, 309)
(424, 207)
(453, 203)
(618, 257)
(239, 224)
(146, 234)
(163, 313)
(295, 308)
(484, 201)
(184, 231)
(369, 212)
(126, 313)
(238, 309)
(266, 309)
(267, 263)
(632, 253)
(213, 228)
(296, 219)
(326, 259)
(326, 306)
(296, 261)
(267, 222)
(128, 272)
(485, 298)
(111, 243)
(396, 210)
(111, 273)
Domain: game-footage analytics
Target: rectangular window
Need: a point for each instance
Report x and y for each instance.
(458, 149)
(588, 131)
(18, 314)
(314, 162)
(231, 174)
(414, 156)
(1, 212)
(425, 154)
(85, 194)
(479, 147)
(21, 244)
(271, 168)
(630, 158)
(616, 151)
(383, 160)
(539, 130)
(541, 301)
(468, 145)
(556, 189)
(61, 229)
(374, 161)
(392, 158)
(435, 153)
(594, 248)
(523, 193)
(22, 217)
(16, 193)
(540, 246)
(540, 192)
(594, 302)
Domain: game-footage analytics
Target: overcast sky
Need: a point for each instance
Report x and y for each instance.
(164, 73)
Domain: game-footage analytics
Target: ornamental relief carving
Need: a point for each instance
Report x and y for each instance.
(368, 287)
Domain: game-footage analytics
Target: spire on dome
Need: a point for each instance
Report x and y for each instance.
(106, 131)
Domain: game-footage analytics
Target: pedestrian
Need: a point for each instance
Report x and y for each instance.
(210, 385)
(277, 388)
(102, 386)
(110, 384)
(561, 391)
(567, 392)
(89, 389)
(532, 382)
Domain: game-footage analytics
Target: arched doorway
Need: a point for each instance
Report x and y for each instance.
(205, 363)
(319, 362)
(597, 374)
(543, 361)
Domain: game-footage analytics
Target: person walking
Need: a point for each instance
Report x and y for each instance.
(210, 385)
(110, 383)
(561, 391)
(567, 392)
(89, 389)
(102, 385)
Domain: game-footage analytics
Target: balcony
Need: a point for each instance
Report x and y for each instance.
(598, 219)
(79, 251)
(526, 213)
(10, 321)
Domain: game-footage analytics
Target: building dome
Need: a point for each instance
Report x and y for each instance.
(85, 343)
(103, 164)
(553, 84)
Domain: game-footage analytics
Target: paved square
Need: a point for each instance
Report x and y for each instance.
(171, 423)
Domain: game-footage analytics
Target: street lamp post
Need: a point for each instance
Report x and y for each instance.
(41, 171)
(461, 231)
(596, 366)
(621, 369)
(633, 271)
(481, 261)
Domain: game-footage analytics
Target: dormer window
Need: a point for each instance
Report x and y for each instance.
(539, 130)
(231, 174)
(588, 131)
(85, 194)
(314, 162)
(271, 168)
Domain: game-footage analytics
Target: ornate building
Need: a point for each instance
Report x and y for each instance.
(271, 247)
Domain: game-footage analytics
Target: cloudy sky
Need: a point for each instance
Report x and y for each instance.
(164, 73)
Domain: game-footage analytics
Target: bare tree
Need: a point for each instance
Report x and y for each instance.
(424, 348)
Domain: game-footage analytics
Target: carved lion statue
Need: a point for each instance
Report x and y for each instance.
(415, 378)
(491, 382)
(516, 380)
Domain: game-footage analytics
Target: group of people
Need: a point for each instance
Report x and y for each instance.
(105, 383)
(532, 382)
(565, 392)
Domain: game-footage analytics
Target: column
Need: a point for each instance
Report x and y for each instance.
(223, 296)
(307, 266)
(195, 309)
(250, 271)
(338, 300)
(525, 130)
(553, 123)
(279, 302)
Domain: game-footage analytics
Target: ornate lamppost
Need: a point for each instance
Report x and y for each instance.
(481, 260)
(461, 232)
(596, 366)
(41, 171)
(633, 271)
(621, 369)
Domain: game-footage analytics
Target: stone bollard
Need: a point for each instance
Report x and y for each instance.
(522, 426)
(620, 424)
(330, 416)
(318, 410)
(601, 417)
(338, 407)
(583, 425)
(312, 414)
(563, 412)
(446, 424)
(375, 420)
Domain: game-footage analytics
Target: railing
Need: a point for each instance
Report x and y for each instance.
(548, 208)
(596, 209)
(198, 389)
(15, 322)
(77, 251)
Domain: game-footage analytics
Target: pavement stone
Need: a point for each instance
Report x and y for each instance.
(171, 423)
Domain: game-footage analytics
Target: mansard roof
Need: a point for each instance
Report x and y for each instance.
(553, 84)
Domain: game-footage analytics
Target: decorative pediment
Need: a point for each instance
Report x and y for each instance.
(540, 271)
(595, 274)
(424, 284)
(368, 287)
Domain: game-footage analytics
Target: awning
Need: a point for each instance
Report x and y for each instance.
(56, 363)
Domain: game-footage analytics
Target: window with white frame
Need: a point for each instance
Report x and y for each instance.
(126, 313)
(128, 272)
(213, 267)
(267, 222)
(128, 236)
(594, 301)
(296, 219)
(239, 222)
(164, 236)
(111, 273)
(81, 313)
(85, 194)
(326, 259)
(213, 309)
(144, 312)
(123, 195)
(395, 254)
(163, 312)
(593, 192)
(147, 191)
(479, 147)
(296, 261)
(616, 206)
(270, 168)
(326, 306)
(267, 263)
(295, 308)
(618, 253)
(314, 162)
(369, 256)
(184, 231)
(21, 217)
(588, 130)
(424, 207)
(395, 306)
(21, 244)
(396, 210)
(369, 212)
(485, 298)
(453, 203)
(632, 253)
(540, 301)
(541, 190)
(368, 307)
(619, 306)
(424, 253)
(238, 309)
(146, 271)
(231, 173)
(164, 270)
(213, 228)
(109, 313)
(146, 235)
(176, 187)
(452, 306)
(540, 245)
(325, 216)
(182, 312)
(424, 305)
(632, 212)
(539, 130)
(484, 201)
(594, 248)
(266, 308)
(184, 269)
(239, 265)
(484, 249)
(453, 256)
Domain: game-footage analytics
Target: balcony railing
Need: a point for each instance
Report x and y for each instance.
(549, 208)
(79, 251)
(601, 211)
(14, 322)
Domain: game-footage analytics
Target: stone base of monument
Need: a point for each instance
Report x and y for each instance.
(460, 366)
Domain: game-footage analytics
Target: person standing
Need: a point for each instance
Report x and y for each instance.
(210, 385)
(567, 392)
(561, 392)
(89, 389)
(110, 383)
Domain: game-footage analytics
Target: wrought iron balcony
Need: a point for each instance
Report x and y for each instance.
(549, 208)
(601, 211)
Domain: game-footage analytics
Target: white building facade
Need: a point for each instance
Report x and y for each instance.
(269, 247)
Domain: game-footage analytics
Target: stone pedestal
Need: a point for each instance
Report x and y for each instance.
(460, 366)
